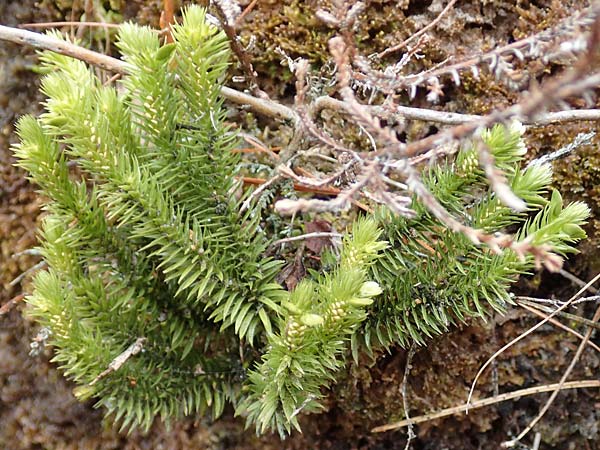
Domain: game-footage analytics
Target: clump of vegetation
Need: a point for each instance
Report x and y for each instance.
(434, 278)
(159, 297)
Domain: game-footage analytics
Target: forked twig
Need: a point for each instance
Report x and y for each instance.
(540, 308)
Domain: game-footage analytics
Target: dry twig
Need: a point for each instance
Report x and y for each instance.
(412, 37)
(404, 392)
(557, 389)
(9, 305)
(487, 402)
(556, 323)
(525, 334)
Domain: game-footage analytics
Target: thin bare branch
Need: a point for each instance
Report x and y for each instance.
(404, 392)
(121, 359)
(316, 234)
(547, 301)
(556, 323)
(68, 23)
(9, 305)
(452, 118)
(271, 108)
(557, 389)
(258, 191)
(245, 12)
(487, 402)
(41, 41)
(527, 333)
(432, 24)
(35, 268)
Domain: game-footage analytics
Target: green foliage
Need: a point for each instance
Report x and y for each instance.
(159, 295)
(434, 277)
(144, 239)
(312, 338)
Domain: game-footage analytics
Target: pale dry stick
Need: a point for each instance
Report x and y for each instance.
(557, 324)
(341, 202)
(582, 345)
(536, 441)
(593, 298)
(525, 334)
(542, 308)
(486, 402)
(121, 359)
(429, 26)
(256, 193)
(68, 23)
(453, 118)
(403, 391)
(316, 234)
(42, 41)
(289, 173)
(267, 107)
(28, 252)
(34, 268)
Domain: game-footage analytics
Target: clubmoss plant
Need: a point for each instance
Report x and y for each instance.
(159, 296)
(434, 278)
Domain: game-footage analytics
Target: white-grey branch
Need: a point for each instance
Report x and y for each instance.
(267, 107)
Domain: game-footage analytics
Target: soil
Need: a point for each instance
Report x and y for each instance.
(37, 408)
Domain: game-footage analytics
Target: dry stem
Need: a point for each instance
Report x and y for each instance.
(487, 402)
(525, 334)
(557, 389)
(412, 37)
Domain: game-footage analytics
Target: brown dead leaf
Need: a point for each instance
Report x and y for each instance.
(317, 244)
(293, 272)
